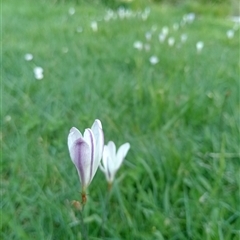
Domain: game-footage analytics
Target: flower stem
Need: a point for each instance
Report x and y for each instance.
(84, 230)
(84, 198)
(83, 226)
(105, 210)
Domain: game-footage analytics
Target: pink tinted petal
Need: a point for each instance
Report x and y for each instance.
(89, 138)
(81, 159)
(73, 135)
(121, 154)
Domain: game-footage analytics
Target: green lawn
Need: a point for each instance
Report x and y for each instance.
(180, 179)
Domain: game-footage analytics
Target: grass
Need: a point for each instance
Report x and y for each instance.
(180, 179)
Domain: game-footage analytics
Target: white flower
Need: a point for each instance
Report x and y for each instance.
(94, 26)
(112, 159)
(121, 12)
(38, 73)
(171, 41)
(199, 46)
(128, 13)
(71, 11)
(148, 36)
(161, 37)
(86, 151)
(28, 56)
(235, 19)
(189, 18)
(144, 16)
(165, 31)
(8, 118)
(138, 45)
(153, 60)
(230, 34)
(184, 37)
(109, 15)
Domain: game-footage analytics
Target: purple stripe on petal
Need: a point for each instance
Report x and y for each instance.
(92, 153)
(81, 160)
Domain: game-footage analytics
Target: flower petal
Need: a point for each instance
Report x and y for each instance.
(121, 154)
(102, 168)
(73, 135)
(81, 158)
(89, 138)
(99, 142)
(106, 161)
(112, 157)
(105, 157)
(105, 171)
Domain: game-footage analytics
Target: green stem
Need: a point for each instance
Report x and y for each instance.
(83, 226)
(105, 211)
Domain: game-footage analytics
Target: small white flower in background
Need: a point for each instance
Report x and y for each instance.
(128, 13)
(165, 31)
(28, 56)
(112, 159)
(147, 10)
(236, 19)
(94, 26)
(121, 12)
(38, 73)
(8, 118)
(199, 46)
(184, 37)
(171, 41)
(161, 37)
(189, 18)
(230, 34)
(145, 14)
(138, 45)
(109, 15)
(148, 36)
(86, 152)
(71, 11)
(153, 60)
